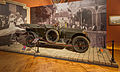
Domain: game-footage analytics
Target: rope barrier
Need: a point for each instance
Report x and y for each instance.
(114, 41)
(37, 39)
(109, 41)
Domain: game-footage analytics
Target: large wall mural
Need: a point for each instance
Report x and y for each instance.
(89, 15)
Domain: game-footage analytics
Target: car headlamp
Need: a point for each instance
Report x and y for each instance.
(84, 32)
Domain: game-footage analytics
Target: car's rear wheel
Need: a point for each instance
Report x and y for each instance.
(80, 44)
(52, 36)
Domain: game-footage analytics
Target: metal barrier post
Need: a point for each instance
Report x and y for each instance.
(37, 50)
(37, 46)
(104, 41)
(112, 51)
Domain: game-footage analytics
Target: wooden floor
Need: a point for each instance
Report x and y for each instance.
(14, 62)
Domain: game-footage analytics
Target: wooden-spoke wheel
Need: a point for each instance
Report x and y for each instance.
(80, 44)
(52, 36)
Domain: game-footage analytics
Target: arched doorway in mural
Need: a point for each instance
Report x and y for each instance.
(102, 18)
(86, 18)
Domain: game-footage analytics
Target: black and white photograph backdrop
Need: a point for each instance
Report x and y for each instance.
(11, 17)
(89, 15)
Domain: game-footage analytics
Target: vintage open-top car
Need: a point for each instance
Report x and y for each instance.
(52, 34)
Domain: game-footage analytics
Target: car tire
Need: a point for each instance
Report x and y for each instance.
(80, 44)
(52, 36)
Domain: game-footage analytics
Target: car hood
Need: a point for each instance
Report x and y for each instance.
(72, 30)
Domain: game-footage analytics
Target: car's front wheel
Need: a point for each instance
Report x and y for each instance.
(80, 44)
(52, 36)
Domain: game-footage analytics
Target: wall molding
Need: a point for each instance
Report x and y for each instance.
(2, 1)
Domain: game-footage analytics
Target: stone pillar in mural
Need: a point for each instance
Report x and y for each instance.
(102, 17)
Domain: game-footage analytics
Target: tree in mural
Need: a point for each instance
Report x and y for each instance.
(77, 16)
(41, 14)
(87, 17)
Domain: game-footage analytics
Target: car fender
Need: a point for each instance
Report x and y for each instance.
(32, 33)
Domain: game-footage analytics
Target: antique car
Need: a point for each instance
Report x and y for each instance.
(51, 34)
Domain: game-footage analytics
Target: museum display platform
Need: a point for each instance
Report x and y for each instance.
(97, 56)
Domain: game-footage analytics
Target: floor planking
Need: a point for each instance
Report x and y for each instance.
(14, 62)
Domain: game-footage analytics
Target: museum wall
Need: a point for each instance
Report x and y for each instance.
(113, 32)
(112, 9)
(33, 3)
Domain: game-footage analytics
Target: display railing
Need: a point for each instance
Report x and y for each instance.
(113, 50)
(113, 46)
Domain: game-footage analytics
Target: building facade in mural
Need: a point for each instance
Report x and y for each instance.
(87, 13)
